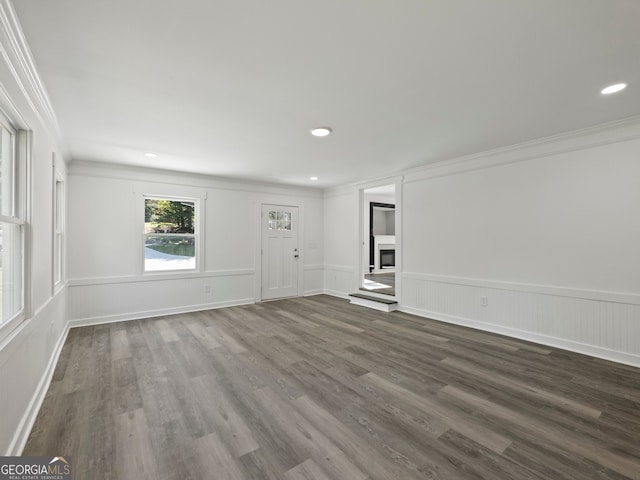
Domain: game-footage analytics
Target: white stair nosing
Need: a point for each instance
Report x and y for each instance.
(383, 307)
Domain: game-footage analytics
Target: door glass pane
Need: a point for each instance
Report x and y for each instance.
(286, 220)
(279, 220)
(273, 215)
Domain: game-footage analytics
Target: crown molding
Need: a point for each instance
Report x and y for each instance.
(117, 171)
(591, 137)
(340, 190)
(17, 55)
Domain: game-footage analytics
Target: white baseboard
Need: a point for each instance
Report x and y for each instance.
(591, 350)
(310, 293)
(85, 322)
(335, 293)
(29, 418)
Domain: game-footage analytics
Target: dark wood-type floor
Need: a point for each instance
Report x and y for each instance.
(316, 388)
(388, 279)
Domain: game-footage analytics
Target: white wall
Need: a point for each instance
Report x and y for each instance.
(551, 240)
(566, 220)
(547, 232)
(390, 222)
(106, 282)
(28, 352)
(341, 250)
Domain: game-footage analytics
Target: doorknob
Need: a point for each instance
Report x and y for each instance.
(295, 256)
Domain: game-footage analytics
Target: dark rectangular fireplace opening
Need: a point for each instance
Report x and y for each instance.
(387, 258)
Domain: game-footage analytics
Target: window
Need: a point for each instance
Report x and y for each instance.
(58, 229)
(279, 220)
(170, 234)
(12, 226)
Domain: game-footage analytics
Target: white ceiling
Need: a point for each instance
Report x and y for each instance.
(232, 88)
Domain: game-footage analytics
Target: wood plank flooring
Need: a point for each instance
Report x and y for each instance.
(316, 388)
(379, 279)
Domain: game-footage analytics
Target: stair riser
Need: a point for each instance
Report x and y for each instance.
(375, 305)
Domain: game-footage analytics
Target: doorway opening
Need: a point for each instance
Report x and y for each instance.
(379, 240)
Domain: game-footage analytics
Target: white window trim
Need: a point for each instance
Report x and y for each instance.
(22, 215)
(58, 231)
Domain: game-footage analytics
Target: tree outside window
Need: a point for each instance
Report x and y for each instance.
(170, 234)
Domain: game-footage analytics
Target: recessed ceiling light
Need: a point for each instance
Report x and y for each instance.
(613, 88)
(313, 179)
(151, 155)
(320, 131)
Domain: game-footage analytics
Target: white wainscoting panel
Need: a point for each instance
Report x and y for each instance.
(27, 363)
(103, 301)
(313, 279)
(339, 281)
(608, 329)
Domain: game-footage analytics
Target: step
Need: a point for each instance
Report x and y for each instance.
(382, 304)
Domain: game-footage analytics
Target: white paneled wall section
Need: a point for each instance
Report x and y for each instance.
(341, 221)
(29, 347)
(539, 242)
(105, 235)
(562, 318)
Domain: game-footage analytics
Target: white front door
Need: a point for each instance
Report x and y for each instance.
(279, 251)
